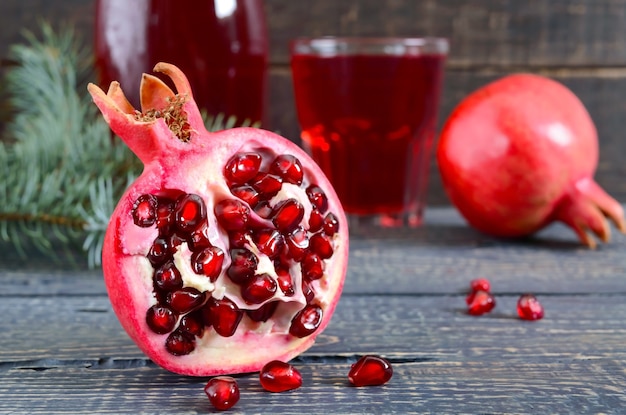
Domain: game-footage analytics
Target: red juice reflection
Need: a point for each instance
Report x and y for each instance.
(369, 121)
(221, 45)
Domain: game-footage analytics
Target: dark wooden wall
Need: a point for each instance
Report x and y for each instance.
(581, 43)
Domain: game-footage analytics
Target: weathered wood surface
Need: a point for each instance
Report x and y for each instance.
(63, 352)
(579, 42)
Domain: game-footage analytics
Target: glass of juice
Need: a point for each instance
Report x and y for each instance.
(367, 109)
(221, 45)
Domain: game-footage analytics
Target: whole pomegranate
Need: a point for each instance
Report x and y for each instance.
(230, 249)
(520, 153)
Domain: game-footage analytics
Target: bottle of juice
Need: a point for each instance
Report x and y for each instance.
(221, 45)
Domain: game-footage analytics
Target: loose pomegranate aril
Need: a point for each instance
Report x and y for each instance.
(168, 278)
(232, 214)
(480, 302)
(242, 168)
(288, 215)
(145, 210)
(288, 168)
(306, 321)
(208, 262)
(243, 265)
(208, 254)
(223, 392)
(259, 288)
(370, 370)
(180, 343)
(190, 212)
(529, 308)
(277, 376)
(223, 315)
(185, 299)
(161, 319)
(480, 284)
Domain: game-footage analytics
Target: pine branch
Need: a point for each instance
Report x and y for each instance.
(61, 171)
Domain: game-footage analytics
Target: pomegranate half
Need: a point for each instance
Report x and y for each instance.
(230, 249)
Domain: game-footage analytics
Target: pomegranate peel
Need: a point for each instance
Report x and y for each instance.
(173, 255)
(520, 153)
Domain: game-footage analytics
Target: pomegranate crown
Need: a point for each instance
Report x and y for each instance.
(163, 111)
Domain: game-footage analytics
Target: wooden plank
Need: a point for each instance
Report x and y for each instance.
(47, 333)
(444, 361)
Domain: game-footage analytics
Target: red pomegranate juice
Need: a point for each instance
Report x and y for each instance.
(369, 121)
(221, 46)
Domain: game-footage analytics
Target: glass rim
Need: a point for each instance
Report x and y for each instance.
(341, 45)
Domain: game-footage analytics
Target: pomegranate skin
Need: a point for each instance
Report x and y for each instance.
(196, 166)
(520, 153)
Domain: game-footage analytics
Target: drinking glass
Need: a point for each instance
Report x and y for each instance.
(367, 109)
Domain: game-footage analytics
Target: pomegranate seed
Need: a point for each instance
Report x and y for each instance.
(288, 168)
(199, 238)
(264, 209)
(285, 282)
(264, 312)
(161, 319)
(192, 323)
(277, 376)
(370, 370)
(480, 302)
(297, 243)
(160, 251)
(260, 288)
(243, 265)
(232, 214)
(180, 343)
(238, 239)
(307, 291)
(321, 245)
(208, 262)
(185, 299)
(223, 315)
(312, 267)
(288, 215)
(316, 220)
(529, 308)
(269, 241)
(331, 224)
(317, 197)
(144, 210)
(241, 168)
(168, 278)
(268, 185)
(190, 212)
(480, 284)
(223, 392)
(165, 216)
(246, 193)
(306, 321)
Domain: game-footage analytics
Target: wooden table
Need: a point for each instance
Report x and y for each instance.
(62, 350)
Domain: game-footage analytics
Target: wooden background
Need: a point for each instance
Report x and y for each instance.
(581, 43)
